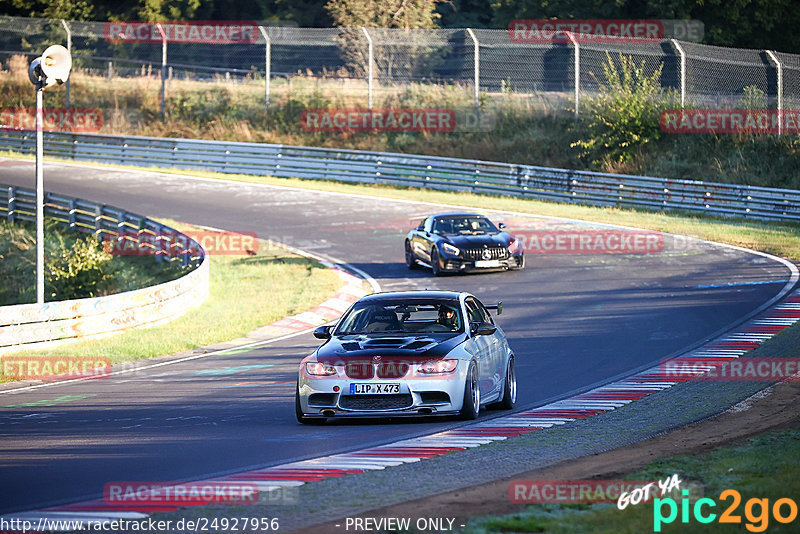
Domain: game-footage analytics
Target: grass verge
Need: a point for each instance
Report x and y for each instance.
(764, 467)
(246, 292)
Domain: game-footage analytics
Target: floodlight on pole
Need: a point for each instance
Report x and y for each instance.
(50, 69)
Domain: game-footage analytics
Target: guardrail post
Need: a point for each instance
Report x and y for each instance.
(163, 70)
(477, 57)
(577, 70)
(69, 49)
(267, 64)
(677, 46)
(12, 201)
(159, 244)
(779, 68)
(369, 68)
(72, 209)
(98, 215)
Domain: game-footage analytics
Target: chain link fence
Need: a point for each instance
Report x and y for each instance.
(380, 65)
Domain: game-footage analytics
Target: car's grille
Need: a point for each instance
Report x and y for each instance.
(360, 370)
(375, 402)
(494, 253)
(392, 370)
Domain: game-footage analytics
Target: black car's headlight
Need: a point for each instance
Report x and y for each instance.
(514, 245)
(450, 249)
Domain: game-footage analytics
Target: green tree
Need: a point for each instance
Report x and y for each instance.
(405, 14)
(160, 10)
(391, 52)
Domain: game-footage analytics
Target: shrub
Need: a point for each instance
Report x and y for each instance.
(623, 117)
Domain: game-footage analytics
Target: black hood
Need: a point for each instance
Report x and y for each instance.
(479, 241)
(410, 348)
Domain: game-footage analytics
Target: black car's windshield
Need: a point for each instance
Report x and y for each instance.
(387, 316)
(464, 225)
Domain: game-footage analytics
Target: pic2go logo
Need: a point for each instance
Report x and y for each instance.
(757, 512)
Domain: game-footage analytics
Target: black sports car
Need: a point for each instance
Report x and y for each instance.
(462, 242)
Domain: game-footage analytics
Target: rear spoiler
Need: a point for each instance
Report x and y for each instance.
(498, 307)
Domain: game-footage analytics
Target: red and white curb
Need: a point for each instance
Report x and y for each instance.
(598, 400)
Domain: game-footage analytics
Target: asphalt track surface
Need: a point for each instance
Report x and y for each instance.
(573, 321)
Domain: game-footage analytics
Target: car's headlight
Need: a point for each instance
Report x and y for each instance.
(320, 369)
(513, 245)
(438, 367)
(450, 249)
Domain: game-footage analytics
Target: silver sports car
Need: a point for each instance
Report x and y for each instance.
(408, 353)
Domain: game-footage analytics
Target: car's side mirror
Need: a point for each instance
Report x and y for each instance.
(498, 307)
(501, 225)
(482, 329)
(323, 332)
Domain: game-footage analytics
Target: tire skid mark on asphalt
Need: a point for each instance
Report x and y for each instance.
(593, 402)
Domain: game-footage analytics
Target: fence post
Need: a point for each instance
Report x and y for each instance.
(779, 67)
(682, 54)
(477, 57)
(267, 66)
(369, 69)
(577, 70)
(163, 70)
(69, 49)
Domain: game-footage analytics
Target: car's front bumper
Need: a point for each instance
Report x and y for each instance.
(458, 265)
(417, 397)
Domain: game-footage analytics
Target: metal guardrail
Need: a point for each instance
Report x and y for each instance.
(560, 185)
(32, 325)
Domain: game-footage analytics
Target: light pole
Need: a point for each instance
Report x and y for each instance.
(51, 68)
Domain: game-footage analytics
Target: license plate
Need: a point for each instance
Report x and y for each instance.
(487, 263)
(374, 389)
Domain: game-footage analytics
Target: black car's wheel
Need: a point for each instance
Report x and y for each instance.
(435, 267)
(301, 418)
(521, 264)
(510, 387)
(411, 261)
(472, 394)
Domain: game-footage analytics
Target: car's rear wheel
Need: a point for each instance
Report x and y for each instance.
(411, 261)
(510, 387)
(472, 394)
(301, 418)
(435, 267)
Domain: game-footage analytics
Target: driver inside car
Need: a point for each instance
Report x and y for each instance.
(448, 318)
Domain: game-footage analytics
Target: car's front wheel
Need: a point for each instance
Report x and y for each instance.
(472, 394)
(435, 267)
(411, 261)
(301, 418)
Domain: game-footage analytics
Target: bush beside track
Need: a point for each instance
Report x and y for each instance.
(76, 266)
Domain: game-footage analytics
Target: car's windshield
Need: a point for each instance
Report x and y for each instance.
(409, 316)
(463, 225)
